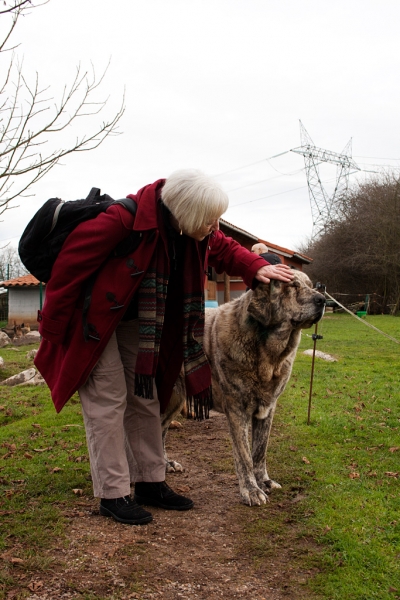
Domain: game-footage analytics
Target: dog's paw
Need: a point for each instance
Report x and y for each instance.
(254, 496)
(270, 485)
(173, 467)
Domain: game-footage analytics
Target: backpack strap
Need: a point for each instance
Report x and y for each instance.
(128, 203)
(55, 216)
(94, 193)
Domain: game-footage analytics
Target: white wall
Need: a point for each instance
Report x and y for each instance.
(23, 304)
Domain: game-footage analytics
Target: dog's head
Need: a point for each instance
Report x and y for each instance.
(295, 303)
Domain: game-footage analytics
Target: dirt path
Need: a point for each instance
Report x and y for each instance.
(199, 554)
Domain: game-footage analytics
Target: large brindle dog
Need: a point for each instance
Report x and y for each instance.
(251, 344)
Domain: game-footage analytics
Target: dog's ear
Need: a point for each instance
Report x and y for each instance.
(260, 304)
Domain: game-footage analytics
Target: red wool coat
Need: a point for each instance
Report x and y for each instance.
(64, 358)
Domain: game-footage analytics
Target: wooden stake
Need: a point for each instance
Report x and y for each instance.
(315, 338)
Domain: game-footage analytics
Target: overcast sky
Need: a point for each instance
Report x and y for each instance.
(221, 85)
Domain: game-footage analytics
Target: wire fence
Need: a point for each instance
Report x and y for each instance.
(360, 319)
(373, 303)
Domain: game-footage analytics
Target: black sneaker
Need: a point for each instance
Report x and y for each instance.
(125, 510)
(160, 494)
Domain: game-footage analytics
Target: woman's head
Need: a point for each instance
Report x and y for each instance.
(259, 248)
(195, 200)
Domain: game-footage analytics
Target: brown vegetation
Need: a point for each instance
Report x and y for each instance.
(359, 253)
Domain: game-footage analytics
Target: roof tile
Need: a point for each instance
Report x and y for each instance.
(20, 281)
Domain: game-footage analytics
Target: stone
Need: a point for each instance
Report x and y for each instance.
(4, 339)
(320, 354)
(32, 337)
(22, 377)
(36, 380)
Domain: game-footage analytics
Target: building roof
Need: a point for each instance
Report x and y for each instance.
(25, 280)
(279, 249)
(288, 253)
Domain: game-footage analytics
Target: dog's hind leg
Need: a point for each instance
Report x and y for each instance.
(250, 493)
(174, 408)
(260, 434)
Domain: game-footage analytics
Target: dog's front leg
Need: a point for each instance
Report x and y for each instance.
(260, 434)
(250, 493)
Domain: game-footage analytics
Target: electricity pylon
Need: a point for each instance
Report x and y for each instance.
(324, 208)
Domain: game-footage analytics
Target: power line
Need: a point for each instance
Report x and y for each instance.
(252, 164)
(378, 165)
(277, 194)
(265, 197)
(377, 158)
(264, 180)
(287, 152)
(287, 174)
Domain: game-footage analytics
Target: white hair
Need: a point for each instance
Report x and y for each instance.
(259, 248)
(193, 198)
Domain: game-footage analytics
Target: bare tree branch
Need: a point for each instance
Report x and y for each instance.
(37, 130)
(15, 7)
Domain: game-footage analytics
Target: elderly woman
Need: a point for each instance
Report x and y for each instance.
(121, 340)
(262, 250)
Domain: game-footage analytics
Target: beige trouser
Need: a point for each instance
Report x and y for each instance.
(123, 431)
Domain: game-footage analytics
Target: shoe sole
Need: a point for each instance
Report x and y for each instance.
(107, 513)
(147, 502)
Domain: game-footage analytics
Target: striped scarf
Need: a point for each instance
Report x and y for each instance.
(152, 296)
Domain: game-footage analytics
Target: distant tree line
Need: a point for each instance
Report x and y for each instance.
(10, 264)
(360, 252)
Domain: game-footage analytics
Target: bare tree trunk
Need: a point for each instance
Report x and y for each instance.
(396, 307)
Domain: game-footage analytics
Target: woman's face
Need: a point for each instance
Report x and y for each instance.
(204, 230)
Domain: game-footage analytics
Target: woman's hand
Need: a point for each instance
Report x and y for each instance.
(268, 272)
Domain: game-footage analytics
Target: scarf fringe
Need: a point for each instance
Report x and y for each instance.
(199, 406)
(144, 386)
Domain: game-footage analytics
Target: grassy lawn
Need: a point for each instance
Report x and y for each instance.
(43, 459)
(347, 461)
(342, 470)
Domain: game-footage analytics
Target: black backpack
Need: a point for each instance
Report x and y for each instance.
(48, 229)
